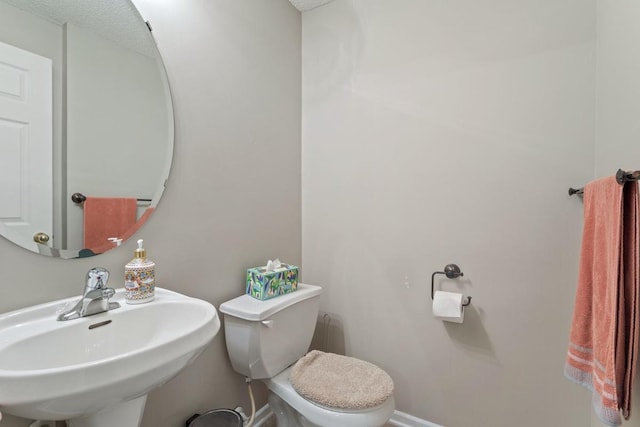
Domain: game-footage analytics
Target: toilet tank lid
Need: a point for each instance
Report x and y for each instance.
(249, 308)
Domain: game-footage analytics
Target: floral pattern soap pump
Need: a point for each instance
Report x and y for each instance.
(139, 277)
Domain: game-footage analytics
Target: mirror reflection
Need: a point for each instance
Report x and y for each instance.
(85, 109)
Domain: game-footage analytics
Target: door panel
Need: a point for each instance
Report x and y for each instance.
(26, 182)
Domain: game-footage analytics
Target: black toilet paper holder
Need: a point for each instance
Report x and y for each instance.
(452, 271)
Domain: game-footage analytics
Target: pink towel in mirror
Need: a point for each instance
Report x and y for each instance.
(106, 217)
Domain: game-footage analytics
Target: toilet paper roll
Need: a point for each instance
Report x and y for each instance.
(447, 306)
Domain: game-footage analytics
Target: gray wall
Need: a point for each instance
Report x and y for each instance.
(439, 132)
(233, 198)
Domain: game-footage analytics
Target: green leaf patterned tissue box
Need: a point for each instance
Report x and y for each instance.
(264, 285)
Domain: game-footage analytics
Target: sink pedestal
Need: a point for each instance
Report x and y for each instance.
(124, 414)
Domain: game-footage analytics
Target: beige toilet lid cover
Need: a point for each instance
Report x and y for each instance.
(339, 381)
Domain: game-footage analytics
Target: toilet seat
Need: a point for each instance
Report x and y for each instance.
(342, 382)
(329, 417)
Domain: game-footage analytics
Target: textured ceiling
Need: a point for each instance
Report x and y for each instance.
(304, 5)
(116, 20)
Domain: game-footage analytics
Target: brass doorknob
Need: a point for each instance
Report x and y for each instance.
(41, 238)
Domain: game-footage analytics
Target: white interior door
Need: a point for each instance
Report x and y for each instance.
(26, 176)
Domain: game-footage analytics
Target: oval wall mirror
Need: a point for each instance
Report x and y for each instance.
(86, 125)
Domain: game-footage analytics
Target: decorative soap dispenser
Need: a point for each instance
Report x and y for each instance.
(139, 277)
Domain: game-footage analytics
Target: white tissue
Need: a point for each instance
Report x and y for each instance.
(447, 306)
(273, 265)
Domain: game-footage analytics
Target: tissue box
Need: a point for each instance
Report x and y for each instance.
(264, 285)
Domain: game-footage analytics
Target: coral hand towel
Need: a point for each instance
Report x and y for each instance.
(604, 333)
(106, 217)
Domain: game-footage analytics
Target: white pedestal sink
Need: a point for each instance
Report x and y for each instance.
(96, 371)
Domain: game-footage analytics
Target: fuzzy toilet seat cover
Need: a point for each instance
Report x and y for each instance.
(340, 382)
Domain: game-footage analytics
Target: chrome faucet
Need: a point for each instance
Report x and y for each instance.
(95, 298)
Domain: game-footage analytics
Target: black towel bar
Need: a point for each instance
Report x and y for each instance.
(79, 198)
(621, 178)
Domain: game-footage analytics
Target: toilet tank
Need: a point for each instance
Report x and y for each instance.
(265, 337)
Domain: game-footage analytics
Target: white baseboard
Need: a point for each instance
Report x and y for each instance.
(398, 419)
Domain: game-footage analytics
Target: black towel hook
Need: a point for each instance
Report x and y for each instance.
(452, 271)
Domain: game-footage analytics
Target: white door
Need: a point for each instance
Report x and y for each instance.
(26, 181)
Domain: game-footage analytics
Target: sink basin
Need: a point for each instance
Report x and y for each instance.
(54, 370)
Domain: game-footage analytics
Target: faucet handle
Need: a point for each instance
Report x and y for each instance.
(97, 278)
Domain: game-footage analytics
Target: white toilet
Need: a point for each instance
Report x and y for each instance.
(264, 338)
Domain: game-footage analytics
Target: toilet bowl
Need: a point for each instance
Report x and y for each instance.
(292, 409)
(265, 338)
